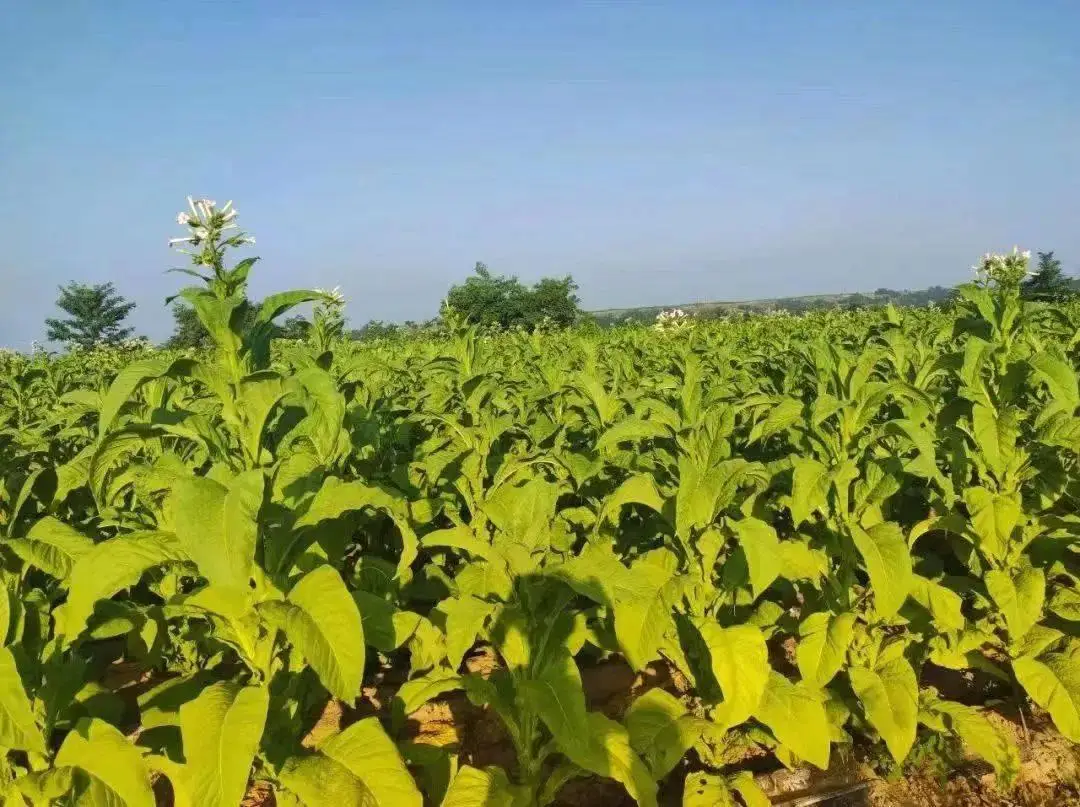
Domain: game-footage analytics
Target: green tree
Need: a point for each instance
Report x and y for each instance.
(188, 332)
(95, 316)
(489, 299)
(1049, 282)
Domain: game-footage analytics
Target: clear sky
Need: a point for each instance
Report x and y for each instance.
(661, 152)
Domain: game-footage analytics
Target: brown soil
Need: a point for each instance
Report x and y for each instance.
(1049, 776)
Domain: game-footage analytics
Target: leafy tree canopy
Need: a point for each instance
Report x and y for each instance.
(1049, 282)
(489, 299)
(95, 315)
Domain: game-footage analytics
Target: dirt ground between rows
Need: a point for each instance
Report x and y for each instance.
(1049, 775)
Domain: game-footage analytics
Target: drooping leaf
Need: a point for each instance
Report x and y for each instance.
(217, 524)
(1020, 597)
(221, 730)
(365, 751)
(109, 567)
(605, 749)
(823, 645)
(322, 621)
(490, 787)
(890, 699)
(761, 546)
(661, 730)
(795, 713)
(52, 546)
(888, 563)
(1053, 682)
(465, 617)
(739, 660)
(18, 730)
(111, 760)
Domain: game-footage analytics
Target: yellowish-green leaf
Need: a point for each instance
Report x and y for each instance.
(322, 621)
(221, 730)
(888, 563)
(100, 750)
(795, 714)
(890, 699)
(823, 644)
(18, 731)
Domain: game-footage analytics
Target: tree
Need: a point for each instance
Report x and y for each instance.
(488, 299)
(188, 332)
(1049, 282)
(96, 314)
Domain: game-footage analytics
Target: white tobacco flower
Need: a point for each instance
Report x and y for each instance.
(183, 218)
(333, 295)
(175, 241)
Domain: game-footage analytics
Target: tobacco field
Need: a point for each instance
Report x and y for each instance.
(820, 529)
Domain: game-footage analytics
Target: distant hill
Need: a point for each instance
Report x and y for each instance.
(796, 305)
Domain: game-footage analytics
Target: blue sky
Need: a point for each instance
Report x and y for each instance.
(660, 152)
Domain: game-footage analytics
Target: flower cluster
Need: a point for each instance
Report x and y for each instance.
(1005, 271)
(674, 320)
(207, 228)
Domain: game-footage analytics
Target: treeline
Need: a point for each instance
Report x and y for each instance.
(96, 313)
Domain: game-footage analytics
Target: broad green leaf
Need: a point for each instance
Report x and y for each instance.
(111, 759)
(747, 787)
(761, 546)
(465, 617)
(18, 731)
(322, 621)
(335, 498)
(490, 787)
(109, 567)
(1065, 602)
(1060, 378)
(605, 749)
(1020, 597)
(635, 490)
(318, 780)
(631, 429)
(706, 790)
(460, 538)
(643, 608)
(786, 412)
(809, 489)
(221, 730)
(739, 661)
(415, 692)
(943, 603)
(795, 714)
(257, 395)
(888, 563)
(661, 731)
(993, 517)
(1053, 682)
(556, 695)
(890, 699)
(798, 561)
(125, 384)
(523, 513)
(385, 627)
(995, 436)
(982, 736)
(217, 524)
(52, 546)
(366, 752)
(823, 645)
